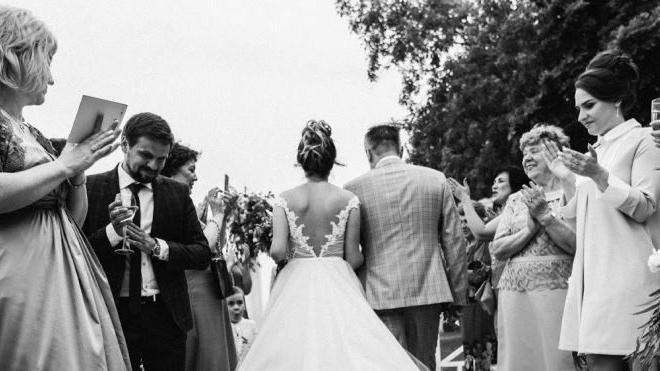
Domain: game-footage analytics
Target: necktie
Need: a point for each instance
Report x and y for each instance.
(135, 274)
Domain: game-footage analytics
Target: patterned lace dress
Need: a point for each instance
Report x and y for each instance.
(56, 308)
(317, 317)
(532, 291)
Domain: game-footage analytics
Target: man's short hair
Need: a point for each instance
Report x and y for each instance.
(149, 125)
(384, 134)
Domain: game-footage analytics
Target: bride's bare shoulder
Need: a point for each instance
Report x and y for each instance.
(294, 197)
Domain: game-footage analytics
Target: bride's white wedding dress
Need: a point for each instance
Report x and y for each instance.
(317, 317)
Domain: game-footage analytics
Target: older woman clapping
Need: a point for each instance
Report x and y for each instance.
(539, 246)
(56, 308)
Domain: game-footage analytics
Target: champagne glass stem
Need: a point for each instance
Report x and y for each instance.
(125, 242)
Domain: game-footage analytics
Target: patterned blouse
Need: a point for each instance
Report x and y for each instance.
(21, 145)
(541, 265)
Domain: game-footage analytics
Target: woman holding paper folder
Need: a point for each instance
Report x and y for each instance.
(56, 308)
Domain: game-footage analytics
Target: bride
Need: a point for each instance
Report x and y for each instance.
(317, 317)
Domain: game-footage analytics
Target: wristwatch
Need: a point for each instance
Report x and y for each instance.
(156, 250)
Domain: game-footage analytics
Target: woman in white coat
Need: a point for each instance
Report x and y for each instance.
(617, 189)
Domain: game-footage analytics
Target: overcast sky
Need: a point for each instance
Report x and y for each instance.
(235, 79)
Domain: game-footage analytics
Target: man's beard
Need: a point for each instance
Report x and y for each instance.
(137, 175)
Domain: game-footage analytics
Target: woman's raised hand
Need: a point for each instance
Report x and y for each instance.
(461, 192)
(82, 156)
(221, 202)
(551, 155)
(585, 165)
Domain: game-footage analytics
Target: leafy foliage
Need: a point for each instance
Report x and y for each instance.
(477, 74)
(648, 345)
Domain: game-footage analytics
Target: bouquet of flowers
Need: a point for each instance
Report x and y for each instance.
(251, 224)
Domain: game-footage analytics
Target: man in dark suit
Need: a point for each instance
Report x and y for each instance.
(149, 285)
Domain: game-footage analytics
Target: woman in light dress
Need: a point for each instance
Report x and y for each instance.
(317, 317)
(56, 308)
(617, 189)
(538, 248)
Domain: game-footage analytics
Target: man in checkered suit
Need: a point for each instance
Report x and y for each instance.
(415, 257)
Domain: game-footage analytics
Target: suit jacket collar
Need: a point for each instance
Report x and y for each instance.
(388, 161)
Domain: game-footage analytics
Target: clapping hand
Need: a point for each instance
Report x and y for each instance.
(534, 199)
(551, 154)
(461, 192)
(82, 156)
(581, 164)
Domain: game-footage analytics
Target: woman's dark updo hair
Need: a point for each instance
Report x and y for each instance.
(316, 150)
(611, 76)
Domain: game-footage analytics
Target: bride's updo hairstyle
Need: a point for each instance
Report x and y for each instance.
(316, 150)
(611, 76)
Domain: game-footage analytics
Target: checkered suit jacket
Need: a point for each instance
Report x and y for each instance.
(411, 237)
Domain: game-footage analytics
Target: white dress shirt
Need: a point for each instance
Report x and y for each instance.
(146, 197)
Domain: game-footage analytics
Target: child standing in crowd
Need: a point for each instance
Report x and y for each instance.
(244, 329)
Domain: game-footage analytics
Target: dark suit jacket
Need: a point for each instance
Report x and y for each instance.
(175, 221)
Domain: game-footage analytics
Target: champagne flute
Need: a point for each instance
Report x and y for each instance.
(129, 204)
(655, 113)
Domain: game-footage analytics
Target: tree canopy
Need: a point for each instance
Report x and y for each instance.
(479, 73)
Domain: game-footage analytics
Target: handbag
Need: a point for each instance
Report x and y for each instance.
(486, 297)
(221, 277)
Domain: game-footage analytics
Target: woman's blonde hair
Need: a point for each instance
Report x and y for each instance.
(543, 131)
(26, 48)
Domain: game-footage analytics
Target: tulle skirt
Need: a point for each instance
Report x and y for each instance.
(318, 319)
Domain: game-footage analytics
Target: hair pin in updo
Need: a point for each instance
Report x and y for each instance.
(319, 127)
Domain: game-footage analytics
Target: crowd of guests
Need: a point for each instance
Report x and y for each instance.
(550, 270)
(574, 242)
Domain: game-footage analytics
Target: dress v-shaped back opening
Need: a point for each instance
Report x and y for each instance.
(336, 233)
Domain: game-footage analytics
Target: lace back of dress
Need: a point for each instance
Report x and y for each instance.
(298, 243)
